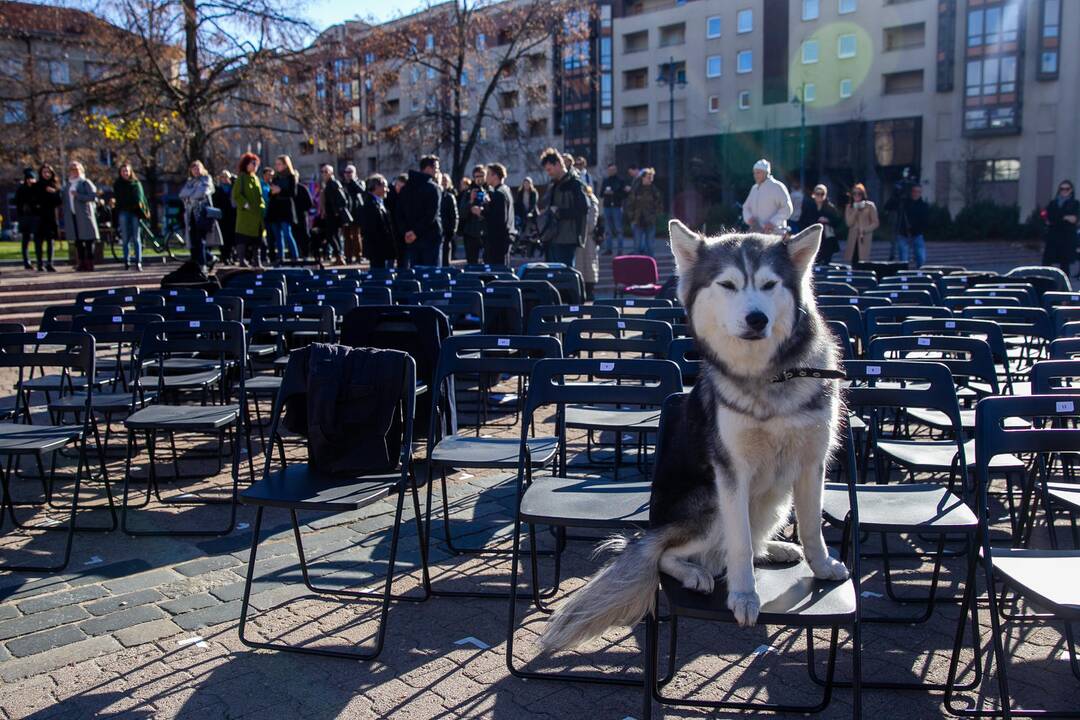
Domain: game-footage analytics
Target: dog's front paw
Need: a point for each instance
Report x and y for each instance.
(782, 552)
(745, 605)
(697, 579)
(829, 569)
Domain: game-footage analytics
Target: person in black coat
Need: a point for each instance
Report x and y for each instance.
(354, 190)
(281, 210)
(1061, 216)
(448, 214)
(377, 225)
(26, 215)
(333, 212)
(46, 199)
(222, 200)
(418, 215)
(498, 213)
(816, 208)
(304, 205)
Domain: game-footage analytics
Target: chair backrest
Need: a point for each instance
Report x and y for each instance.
(1065, 348)
(966, 357)
(675, 316)
(623, 335)
(902, 384)
(1055, 376)
(282, 322)
(835, 289)
(397, 286)
(988, 330)
(863, 302)
(121, 295)
(633, 303)
(193, 311)
(330, 282)
(904, 297)
(124, 331)
(341, 300)
(1031, 322)
(859, 282)
(554, 319)
(172, 295)
(1062, 315)
(567, 281)
(255, 296)
(843, 337)
(1020, 295)
(503, 310)
(533, 292)
(465, 308)
(850, 316)
(887, 320)
(58, 318)
(684, 353)
(453, 283)
(64, 351)
(221, 339)
(634, 270)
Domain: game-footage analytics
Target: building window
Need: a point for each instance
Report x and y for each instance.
(538, 128)
(846, 46)
(673, 35)
(993, 25)
(991, 100)
(744, 21)
(414, 76)
(713, 27)
(320, 85)
(1049, 40)
(847, 6)
(576, 55)
(605, 54)
(905, 37)
(679, 68)
(635, 115)
(845, 87)
(634, 42)
(811, 9)
(991, 76)
(809, 92)
(14, 112)
(744, 62)
(511, 131)
(810, 52)
(431, 73)
(635, 79)
(714, 66)
(901, 83)
(744, 100)
(481, 42)
(369, 58)
(714, 103)
(429, 42)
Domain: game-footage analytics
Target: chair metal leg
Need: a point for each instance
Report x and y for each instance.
(5, 499)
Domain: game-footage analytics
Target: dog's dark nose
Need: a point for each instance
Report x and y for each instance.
(757, 321)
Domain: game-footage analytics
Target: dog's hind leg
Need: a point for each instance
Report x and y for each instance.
(692, 576)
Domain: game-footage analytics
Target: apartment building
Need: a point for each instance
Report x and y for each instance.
(385, 110)
(976, 97)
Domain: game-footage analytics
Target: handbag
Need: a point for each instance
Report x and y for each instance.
(206, 217)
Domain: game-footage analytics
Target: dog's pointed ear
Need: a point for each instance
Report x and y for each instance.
(803, 247)
(685, 244)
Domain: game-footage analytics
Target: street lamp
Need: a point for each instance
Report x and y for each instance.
(800, 100)
(671, 79)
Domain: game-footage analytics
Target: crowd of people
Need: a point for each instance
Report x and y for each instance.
(267, 217)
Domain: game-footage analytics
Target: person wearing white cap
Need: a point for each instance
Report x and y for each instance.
(768, 206)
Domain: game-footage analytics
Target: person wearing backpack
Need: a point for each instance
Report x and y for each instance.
(567, 207)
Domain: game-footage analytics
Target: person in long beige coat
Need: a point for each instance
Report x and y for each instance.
(587, 257)
(861, 218)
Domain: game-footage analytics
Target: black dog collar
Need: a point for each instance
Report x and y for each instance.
(817, 373)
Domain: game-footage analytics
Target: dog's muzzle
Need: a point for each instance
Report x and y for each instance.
(756, 323)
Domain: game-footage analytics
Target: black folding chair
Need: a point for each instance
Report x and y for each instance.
(863, 302)
(579, 500)
(835, 288)
(225, 342)
(533, 293)
(555, 319)
(513, 356)
(504, 311)
(1051, 377)
(887, 320)
(675, 316)
(566, 280)
(301, 487)
(67, 353)
(684, 353)
(1045, 579)
(465, 308)
(628, 305)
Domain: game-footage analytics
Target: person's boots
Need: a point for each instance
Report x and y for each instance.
(590, 289)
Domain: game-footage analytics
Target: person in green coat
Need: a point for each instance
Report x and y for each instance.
(247, 196)
(132, 209)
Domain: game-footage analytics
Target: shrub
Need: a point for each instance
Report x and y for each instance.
(940, 224)
(986, 220)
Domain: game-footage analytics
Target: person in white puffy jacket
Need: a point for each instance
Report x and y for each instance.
(768, 206)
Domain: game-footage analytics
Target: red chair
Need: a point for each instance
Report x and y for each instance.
(635, 275)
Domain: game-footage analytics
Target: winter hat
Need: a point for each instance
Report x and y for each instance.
(29, 174)
(763, 164)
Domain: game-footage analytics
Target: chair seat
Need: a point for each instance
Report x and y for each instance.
(1047, 577)
(789, 593)
(940, 421)
(489, 452)
(458, 332)
(263, 384)
(923, 507)
(1066, 493)
(281, 363)
(181, 381)
(586, 501)
(183, 417)
(644, 290)
(187, 364)
(113, 401)
(934, 456)
(262, 350)
(590, 417)
(16, 439)
(301, 487)
(56, 383)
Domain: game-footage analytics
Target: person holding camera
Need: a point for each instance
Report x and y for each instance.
(472, 225)
(861, 218)
(911, 227)
(497, 211)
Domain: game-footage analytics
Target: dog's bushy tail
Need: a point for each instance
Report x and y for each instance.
(620, 594)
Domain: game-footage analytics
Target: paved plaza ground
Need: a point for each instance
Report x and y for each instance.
(147, 627)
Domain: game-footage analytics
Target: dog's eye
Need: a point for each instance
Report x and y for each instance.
(769, 285)
(727, 285)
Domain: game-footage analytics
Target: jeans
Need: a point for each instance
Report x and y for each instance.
(283, 237)
(613, 227)
(643, 238)
(426, 253)
(562, 254)
(914, 243)
(128, 225)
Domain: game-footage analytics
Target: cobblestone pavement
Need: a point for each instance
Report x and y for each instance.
(147, 627)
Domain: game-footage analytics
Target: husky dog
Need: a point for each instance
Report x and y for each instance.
(751, 437)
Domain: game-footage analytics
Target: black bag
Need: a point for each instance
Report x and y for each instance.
(547, 227)
(206, 216)
(350, 411)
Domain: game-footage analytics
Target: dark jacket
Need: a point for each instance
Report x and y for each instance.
(45, 204)
(418, 208)
(1060, 233)
(499, 216)
(914, 218)
(644, 205)
(470, 225)
(448, 215)
(572, 205)
(619, 189)
(336, 205)
(377, 227)
(282, 207)
(25, 208)
(830, 241)
(131, 198)
(526, 203)
(354, 190)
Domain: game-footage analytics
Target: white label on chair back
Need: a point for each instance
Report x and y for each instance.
(1002, 311)
(575, 308)
(110, 291)
(1074, 298)
(194, 324)
(453, 282)
(950, 324)
(389, 282)
(258, 283)
(128, 298)
(249, 291)
(298, 308)
(964, 279)
(853, 301)
(88, 308)
(41, 335)
(117, 319)
(551, 275)
(329, 282)
(978, 302)
(924, 341)
(447, 295)
(173, 293)
(607, 366)
(504, 342)
(181, 308)
(489, 290)
(320, 296)
(1065, 406)
(630, 303)
(873, 369)
(621, 325)
(209, 299)
(905, 287)
(893, 295)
